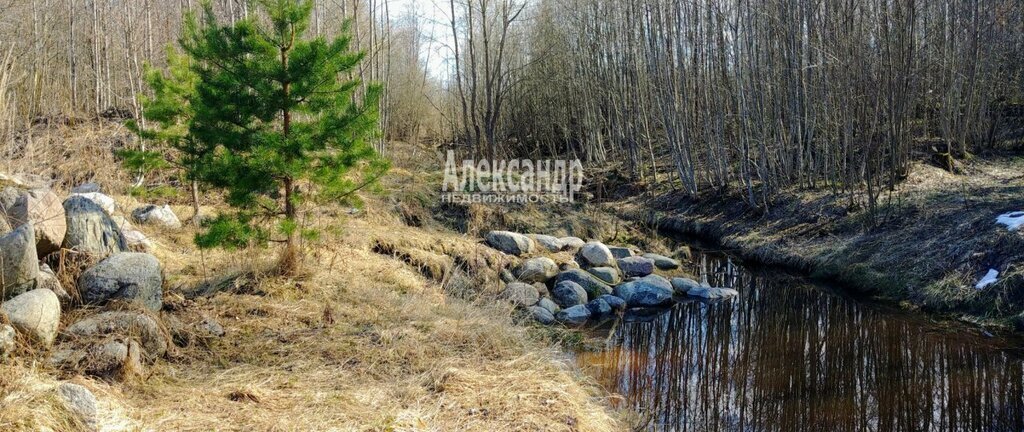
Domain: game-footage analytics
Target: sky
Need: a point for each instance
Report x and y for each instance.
(434, 18)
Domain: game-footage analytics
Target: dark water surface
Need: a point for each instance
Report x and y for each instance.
(788, 355)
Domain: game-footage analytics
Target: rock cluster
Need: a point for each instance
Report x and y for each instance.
(596, 282)
(35, 225)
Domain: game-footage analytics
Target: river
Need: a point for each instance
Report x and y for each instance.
(791, 355)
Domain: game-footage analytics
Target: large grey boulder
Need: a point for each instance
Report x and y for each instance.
(538, 269)
(636, 266)
(127, 275)
(124, 324)
(521, 294)
(90, 228)
(104, 202)
(683, 285)
(649, 291)
(161, 216)
(19, 264)
(35, 314)
(550, 243)
(541, 315)
(572, 244)
(44, 210)
(596, 254)
(80, 401)
(590, 283)
(568, 294)
(509, 242)
(712, 293)
(620, 252)
(608, 275)
(576, 315)
(662, 262)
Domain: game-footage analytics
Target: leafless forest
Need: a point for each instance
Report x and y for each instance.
(734, 95)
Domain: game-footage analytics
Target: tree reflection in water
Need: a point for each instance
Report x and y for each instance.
(789, 356)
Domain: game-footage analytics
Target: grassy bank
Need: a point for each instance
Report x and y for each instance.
(931, 241)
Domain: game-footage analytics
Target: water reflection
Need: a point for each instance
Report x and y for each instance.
(788, 356)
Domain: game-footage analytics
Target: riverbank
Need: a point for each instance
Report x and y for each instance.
(934, 239)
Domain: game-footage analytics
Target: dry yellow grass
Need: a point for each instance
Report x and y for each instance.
(364, 340)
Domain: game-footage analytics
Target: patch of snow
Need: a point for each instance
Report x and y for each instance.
(989, 279)
(1012, 220)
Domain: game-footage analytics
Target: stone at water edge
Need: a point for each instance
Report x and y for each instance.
(538, 269)
(44, 210)
(550, 243)
(596, 254)
(609, 275)
(35, 313)
(152, 214)
(636, 266)
(649, 291)
(620, 252)
(576, 315)
(599, 307)
(662, 262)
(123, 324)
(551, 306)
(80, 401)
(521, 294)
(127, 275)
(615, 302)
(19, 265)
(568, 294)
(683, 285)
(542, 315)
(572, 244)
(712, 293)
(90, 228)
(590, 283)
(509, 242)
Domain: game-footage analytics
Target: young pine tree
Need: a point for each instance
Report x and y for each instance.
(170, 115)
(279, 120)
